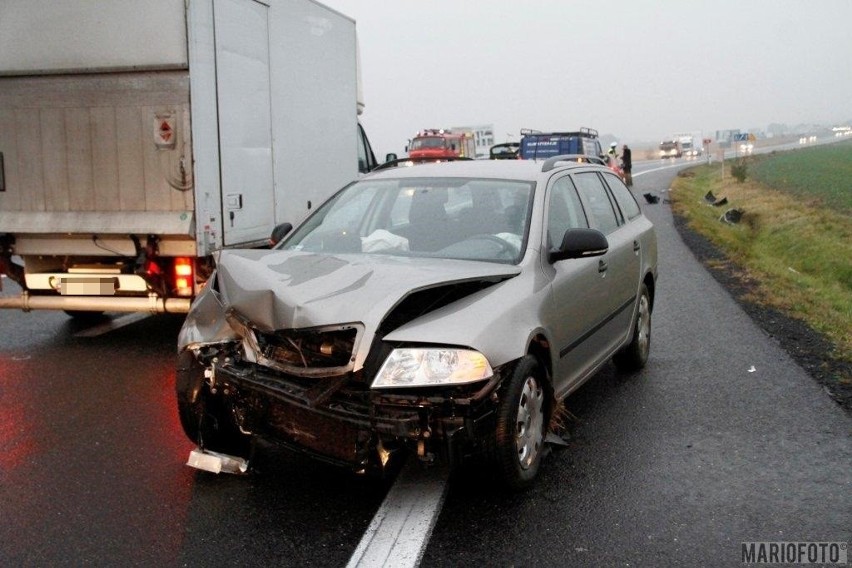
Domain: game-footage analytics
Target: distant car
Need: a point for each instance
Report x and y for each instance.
(442, 310)
(505, 151)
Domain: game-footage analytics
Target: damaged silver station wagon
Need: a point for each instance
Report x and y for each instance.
(443, 308)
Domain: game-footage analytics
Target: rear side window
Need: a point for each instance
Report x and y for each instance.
(600, 208)
(564, 211)
(626, 201)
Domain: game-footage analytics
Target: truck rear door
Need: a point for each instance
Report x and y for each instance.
(244, 112)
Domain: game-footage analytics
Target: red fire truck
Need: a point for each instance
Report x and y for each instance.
(433, 143)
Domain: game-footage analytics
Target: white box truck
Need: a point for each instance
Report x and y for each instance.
(137, 137)
(690, 144)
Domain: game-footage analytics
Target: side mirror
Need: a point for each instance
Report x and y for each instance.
(391, 156)
(279, 232)
(580, 243)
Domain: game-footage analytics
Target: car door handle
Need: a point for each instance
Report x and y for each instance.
(636, 246)
(602, 266)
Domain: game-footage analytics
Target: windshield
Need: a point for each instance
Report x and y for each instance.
(504, 150)
(430, 142)
(475, 219)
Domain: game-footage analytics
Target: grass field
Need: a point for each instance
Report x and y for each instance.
(795, 236)
(822, 173)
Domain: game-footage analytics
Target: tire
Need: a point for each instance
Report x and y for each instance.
(634, 355)
(521, 425)
(207, 418)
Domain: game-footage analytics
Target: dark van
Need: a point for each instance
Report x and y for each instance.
(537, 145)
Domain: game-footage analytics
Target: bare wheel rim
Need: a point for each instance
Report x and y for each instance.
(643, 325)
(530, 421)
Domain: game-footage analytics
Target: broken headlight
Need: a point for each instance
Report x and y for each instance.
(420, 367)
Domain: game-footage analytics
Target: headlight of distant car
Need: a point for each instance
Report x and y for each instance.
(432, 367)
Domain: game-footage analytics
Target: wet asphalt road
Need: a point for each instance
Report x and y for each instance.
(676, 465)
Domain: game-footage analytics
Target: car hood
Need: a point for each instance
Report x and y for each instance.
(274, 290)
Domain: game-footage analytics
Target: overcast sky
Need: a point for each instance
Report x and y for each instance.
(640, 70)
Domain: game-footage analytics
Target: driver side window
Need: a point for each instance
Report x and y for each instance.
(564, 211)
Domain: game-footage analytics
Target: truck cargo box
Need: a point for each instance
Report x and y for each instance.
(142, 131)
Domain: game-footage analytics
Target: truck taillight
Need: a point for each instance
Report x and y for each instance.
(184, 277)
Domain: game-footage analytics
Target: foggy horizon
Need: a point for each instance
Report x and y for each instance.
(640, 71)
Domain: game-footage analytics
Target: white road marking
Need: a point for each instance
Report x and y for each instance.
(662, 168)
(400, 530)
(111, 325)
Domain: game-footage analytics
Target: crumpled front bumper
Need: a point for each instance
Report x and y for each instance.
(341, 420)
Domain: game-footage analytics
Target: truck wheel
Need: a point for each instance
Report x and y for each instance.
(521, 425)
(207, 418)
(634, 355)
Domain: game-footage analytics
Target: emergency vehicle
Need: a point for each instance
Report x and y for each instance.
(434, 143)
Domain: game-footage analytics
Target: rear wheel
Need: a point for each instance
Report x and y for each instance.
(521, 425)
(635, 354)
(207, 418)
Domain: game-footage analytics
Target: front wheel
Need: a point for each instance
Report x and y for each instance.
(521, 425)
(634, 355)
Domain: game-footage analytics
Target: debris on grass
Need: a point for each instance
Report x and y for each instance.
(732, 216)
(715, 201)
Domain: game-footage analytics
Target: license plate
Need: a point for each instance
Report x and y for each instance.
(87, 286)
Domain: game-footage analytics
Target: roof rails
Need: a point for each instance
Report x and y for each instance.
(551, 163)
(404, 162)
(590, 132)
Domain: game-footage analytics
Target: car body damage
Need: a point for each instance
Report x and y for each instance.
(275, 290)
(265, 347)
(443, 310)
